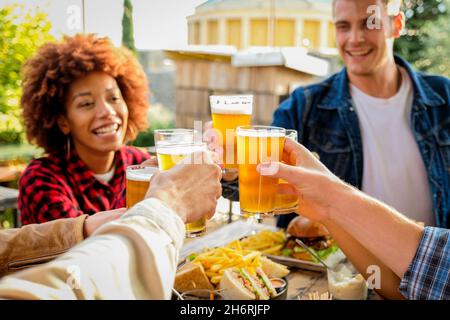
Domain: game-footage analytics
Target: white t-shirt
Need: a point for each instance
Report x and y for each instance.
(394, 171)
(106, 177)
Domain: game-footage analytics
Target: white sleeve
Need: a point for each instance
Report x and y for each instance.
(134, 257)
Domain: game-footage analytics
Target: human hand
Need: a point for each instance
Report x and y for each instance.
(213, 140)
(191, 188)
(308, 178)
(152, 162)
(93, 222)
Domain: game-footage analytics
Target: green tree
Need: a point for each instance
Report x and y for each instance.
(127, 26)
(21, 33)
(426, 43)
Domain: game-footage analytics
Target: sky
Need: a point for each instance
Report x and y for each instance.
(158, 24)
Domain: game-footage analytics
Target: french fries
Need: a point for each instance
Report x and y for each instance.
(215, 261)
(243, 253)
(266, 242)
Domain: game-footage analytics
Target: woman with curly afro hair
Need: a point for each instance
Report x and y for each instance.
(83, 100)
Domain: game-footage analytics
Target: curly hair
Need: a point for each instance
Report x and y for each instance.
(48, 75)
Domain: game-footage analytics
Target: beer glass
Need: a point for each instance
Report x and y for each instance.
(170, 154)
(138, 180)
(286, 203)
(172, 146)
(228, 113)
(176, 136)
(256, 144)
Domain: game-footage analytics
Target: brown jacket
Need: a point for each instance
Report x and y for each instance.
(38, 243)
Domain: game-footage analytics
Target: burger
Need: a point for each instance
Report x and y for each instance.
(239, 284)
(312, 234)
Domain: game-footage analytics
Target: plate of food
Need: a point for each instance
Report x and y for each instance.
(277, 244)
(280, 246)
(232, 273)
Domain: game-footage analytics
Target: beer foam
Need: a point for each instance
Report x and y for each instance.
(141, 173)
(231, 104)
(260, 133)
(179, 149)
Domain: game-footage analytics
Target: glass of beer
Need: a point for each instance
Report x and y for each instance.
(138, 181)
(256, 144)
(169, 153)
(228, 113)
(287, 203)
(176, 136)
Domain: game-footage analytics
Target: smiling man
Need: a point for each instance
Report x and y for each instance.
(378, 124)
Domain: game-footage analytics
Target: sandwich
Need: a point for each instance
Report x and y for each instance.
(239, 284)
(313, 234)
(191, 276)
(273, 269)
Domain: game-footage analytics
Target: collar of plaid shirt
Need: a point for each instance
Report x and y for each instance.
(84, 177)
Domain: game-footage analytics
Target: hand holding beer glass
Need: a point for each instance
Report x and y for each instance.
(172, 146)
(228, 113)
(287, 203)
(190, 190)
(255, 145)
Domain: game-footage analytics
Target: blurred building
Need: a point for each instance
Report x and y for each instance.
(161, 75)
(269, 75)
(247, 23)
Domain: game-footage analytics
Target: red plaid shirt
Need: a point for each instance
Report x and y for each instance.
(52, 187)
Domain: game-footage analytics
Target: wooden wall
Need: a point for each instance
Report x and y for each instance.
(198, 78)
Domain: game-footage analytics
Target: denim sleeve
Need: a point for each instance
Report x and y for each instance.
(428, 276)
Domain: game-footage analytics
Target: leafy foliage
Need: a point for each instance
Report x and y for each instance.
(159, 118)
(127, 26)
(21, 33)
(426, 43)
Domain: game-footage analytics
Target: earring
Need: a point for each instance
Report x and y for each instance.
(68, 148)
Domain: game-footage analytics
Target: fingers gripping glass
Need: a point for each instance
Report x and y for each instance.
(286, 203)
(172, 146)
(257, 144)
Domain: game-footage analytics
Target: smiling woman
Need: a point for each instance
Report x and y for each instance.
(83, 100)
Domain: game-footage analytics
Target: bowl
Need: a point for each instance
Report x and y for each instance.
(281, 287)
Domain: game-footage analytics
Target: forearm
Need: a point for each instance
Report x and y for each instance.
(388, 235)
(38, 243)
(361, 258)
(131, 258)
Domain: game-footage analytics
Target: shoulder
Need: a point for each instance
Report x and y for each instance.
(134, 155)
(302, 100)
(45, 169)
(435, 79)
(439, 83)
(316, 90)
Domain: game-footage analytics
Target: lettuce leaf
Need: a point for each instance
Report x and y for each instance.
(323, 254)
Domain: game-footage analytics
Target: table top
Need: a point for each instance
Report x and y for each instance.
(301, 282)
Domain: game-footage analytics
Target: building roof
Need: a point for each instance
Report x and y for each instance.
(294, 58)
(290, 57)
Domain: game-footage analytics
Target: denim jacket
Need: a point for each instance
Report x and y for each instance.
(325, 117)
